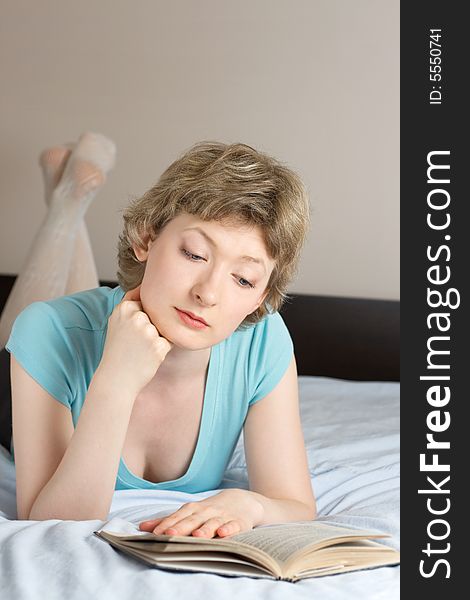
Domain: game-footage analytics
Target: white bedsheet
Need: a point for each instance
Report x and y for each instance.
(351, 432)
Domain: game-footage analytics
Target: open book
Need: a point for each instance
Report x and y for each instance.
(289, 551)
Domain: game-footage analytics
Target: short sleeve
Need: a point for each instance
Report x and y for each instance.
(270, 355)
(40, 344)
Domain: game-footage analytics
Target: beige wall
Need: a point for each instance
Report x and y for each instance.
(313, 82)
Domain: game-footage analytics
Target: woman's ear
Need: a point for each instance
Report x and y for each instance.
(142, 253)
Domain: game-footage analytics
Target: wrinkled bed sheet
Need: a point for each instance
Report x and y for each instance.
(351, 432)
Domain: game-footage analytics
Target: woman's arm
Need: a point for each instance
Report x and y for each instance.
(62, 473)
(275, 454)
(77, 481)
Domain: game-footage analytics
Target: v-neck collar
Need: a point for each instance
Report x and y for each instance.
(207, 419)
(204, 435)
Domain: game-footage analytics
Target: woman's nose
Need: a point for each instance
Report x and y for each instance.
(207, 289)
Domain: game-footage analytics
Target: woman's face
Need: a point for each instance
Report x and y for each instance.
(198, 266)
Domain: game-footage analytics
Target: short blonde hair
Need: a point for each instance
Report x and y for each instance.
(232, 184)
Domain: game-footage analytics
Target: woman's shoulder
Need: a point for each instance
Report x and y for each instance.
(261, 355)
(88, 309)
(62, 319)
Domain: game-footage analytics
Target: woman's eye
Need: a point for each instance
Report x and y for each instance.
(246, 284)
(194, 257)
(191, 256)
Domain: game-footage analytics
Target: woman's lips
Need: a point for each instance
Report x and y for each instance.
(188, 320)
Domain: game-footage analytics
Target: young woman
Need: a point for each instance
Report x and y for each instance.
(149, 384)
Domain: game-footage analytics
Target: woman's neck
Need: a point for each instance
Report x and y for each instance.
(181, 365)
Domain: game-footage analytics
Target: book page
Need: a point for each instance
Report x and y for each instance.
(270, 545)
(284, 540)
(213, 565)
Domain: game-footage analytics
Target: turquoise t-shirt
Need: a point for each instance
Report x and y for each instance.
(60, 344)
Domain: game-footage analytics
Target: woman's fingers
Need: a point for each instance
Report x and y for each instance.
(194, 525)
(210, 528)
(180, 526)
(168, 521)
(149, 525)
(205, 518)
(230, 528)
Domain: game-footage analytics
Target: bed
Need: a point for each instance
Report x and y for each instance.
(347, 352)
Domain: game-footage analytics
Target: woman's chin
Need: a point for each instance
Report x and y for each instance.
(180, 335)
(179, 339)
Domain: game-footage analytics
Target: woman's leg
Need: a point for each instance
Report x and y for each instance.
(46, 270)
(83, 274)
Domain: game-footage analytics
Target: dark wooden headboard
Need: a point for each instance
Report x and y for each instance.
(347, 338)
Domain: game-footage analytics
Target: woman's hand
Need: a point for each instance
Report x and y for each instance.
(133, 349)
(226, 513)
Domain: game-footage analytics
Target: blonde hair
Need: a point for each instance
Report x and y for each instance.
(229, 183)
